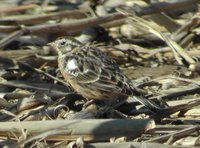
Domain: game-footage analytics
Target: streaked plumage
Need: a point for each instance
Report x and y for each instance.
(93, 74)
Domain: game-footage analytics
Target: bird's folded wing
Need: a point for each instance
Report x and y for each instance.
(101, 76)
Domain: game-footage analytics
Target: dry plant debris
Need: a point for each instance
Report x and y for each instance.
(155, 43)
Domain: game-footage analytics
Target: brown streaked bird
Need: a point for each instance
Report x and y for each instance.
(93, 74)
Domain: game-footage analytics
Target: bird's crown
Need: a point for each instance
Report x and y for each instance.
(67, 41)
(65, 44)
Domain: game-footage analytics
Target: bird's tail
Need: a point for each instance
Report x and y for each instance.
(149, 103)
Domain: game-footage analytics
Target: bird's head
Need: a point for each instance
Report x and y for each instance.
(64, 45)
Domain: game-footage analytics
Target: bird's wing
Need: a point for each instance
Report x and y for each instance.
(96, 68)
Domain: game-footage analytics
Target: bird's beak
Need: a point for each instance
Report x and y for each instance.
(51, 44)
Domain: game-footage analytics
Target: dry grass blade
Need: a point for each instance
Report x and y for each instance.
(176, 48)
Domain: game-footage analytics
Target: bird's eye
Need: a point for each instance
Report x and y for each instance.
(62, 43)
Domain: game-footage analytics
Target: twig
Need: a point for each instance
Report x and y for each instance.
(131, 145)
(176, 135)
(174, 109)
(42, 18)
(94, 129)
(13, 36)
(16, 8)
(75, 25)
(185, 80)
(162, 7)
(178, 93)
(183, 30)
(83, 23)
(8, 29)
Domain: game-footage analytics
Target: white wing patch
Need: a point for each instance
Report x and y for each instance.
(72, 65)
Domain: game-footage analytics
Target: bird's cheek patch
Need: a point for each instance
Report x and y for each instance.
(72, 65)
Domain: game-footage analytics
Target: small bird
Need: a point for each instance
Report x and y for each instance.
(93, 74)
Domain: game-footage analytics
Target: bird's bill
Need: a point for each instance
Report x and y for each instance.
(52, 45)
